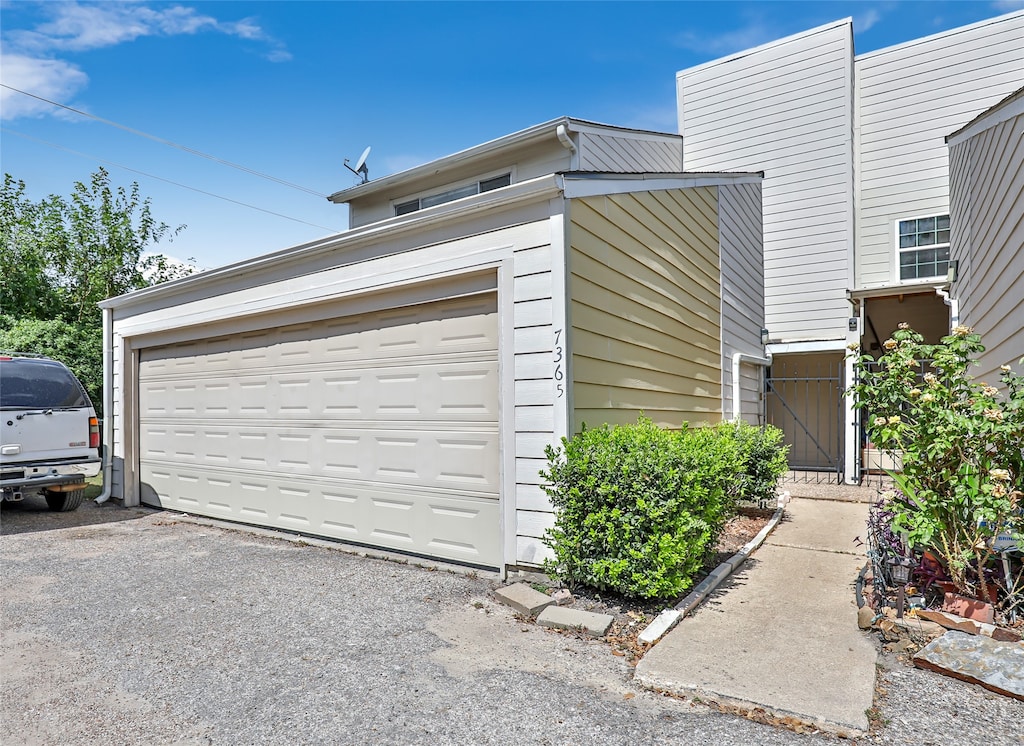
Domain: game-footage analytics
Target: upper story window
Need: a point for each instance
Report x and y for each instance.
(450, 195)
(923, 247)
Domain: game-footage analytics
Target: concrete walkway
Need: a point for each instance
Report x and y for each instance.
(781, 634)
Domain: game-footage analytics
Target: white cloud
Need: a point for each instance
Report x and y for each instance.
(78, 27)
(53, 79)
(752, 35)
(31, 63)
(865, 20)
(1006, 6)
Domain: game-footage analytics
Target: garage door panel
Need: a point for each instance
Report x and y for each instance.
(408, 519)
(433, 458)
(445, 389)
(380, 429)
(463, 326)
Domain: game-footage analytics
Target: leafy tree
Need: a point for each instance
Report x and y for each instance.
(61, 256)
(27, 287)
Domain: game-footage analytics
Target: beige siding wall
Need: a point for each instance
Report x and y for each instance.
(645, 300)
(987, 201)
(909, 98)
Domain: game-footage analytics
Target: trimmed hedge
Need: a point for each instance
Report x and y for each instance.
(639, 508)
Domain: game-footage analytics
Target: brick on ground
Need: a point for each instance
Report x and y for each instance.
(561, 617)
(524, 599)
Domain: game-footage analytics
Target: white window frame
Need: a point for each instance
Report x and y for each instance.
(433, 191)
(900, 250)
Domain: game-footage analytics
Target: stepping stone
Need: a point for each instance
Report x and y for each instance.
(561, 617)
(524, 599)
(995, 665)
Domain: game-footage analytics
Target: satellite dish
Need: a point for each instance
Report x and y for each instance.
(360, 167)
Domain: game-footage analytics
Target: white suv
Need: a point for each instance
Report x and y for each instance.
(49, 434)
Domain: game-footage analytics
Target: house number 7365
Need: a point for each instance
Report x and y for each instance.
(559, 360)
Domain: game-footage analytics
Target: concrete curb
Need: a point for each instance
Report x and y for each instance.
(670, 617)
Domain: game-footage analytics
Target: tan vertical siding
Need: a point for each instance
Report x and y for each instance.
(645, 300)
(987, 197)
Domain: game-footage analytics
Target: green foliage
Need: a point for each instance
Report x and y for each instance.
(961, 444)
(639, 508)
(27, 288)
(763, 456)
(60, 257)
(78, 346)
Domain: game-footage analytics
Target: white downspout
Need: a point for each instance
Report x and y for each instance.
(108, 407)
(563, 137)
(954, 307)
(737, 359)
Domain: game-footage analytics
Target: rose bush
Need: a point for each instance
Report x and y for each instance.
(961, 444)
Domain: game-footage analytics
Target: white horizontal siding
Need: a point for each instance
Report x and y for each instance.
(116, 449)
(786, 109)
(535, 400)
(908, 99)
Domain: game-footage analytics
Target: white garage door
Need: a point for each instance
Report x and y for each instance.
(380, 429)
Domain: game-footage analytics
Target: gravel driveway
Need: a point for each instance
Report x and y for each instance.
(132, 626)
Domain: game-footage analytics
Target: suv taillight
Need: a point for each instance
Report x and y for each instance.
(94, 432)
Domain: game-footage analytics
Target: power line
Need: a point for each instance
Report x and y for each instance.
(168, 181)
(161, 140)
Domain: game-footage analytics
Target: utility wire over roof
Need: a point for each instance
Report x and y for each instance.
(169, 143)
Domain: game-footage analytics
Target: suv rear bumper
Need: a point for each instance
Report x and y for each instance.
(32, 476)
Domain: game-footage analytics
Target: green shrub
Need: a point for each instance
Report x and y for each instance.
(638, 508)
(763, 456)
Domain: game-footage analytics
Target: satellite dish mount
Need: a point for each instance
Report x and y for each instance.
(360, 169)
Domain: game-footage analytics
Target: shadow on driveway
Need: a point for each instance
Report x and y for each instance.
(32, 514)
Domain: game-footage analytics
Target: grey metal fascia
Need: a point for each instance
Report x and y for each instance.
(1011, 106)
(582, 184)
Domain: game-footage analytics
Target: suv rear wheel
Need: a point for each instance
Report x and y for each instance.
(62, 502)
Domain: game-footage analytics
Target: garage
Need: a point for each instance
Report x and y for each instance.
(397, 385)
(378, 429)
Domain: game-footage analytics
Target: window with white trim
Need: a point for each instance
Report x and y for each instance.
(450, 195)
(923, 247)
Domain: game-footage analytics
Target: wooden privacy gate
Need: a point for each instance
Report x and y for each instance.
(804, 399)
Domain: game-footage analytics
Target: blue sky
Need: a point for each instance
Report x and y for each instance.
(291, 89)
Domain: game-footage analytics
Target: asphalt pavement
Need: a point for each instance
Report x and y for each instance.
(133, 626)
